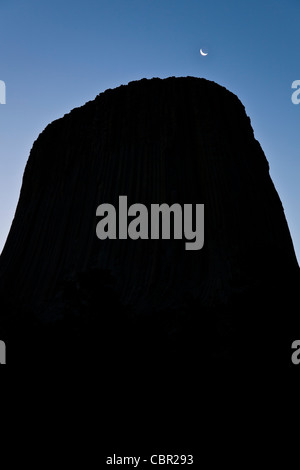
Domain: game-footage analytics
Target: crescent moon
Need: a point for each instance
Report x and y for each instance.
(203, 53)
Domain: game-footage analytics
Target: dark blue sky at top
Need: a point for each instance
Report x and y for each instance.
(57, 55)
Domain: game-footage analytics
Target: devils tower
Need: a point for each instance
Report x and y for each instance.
(177, 140)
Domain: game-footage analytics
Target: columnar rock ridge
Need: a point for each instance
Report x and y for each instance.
(183, 140)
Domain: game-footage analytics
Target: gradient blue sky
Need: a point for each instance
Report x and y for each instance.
(57, 55)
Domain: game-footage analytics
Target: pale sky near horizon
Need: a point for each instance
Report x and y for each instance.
(58, 55)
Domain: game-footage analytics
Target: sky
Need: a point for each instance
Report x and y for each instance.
(57, 55)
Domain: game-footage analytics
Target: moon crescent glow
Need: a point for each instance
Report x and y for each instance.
(203, 53)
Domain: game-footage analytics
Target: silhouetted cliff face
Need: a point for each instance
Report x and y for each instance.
(184, 140)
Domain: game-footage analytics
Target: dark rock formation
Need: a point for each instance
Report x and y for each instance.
(184, 140)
